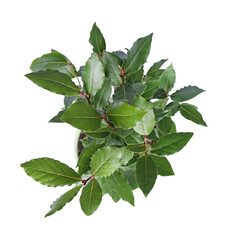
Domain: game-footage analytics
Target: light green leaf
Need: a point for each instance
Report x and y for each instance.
(146, 174)
(186, 93)
(163, 166)
(126, 155)
(130, 176)
(97, 40)
(191, 113)
(138, 54)
(103, 95)
(91, 197)
(171, 143)
(133, 138)
(54, 81)
(110, 63)
(124, 115)
(54, 61)
(50, 172)
(167, 79)
(93, 75)
(60, 202)
(125, 91)
(83, 116)
(105, 161)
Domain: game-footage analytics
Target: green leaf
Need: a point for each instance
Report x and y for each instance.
(138, 54)
(139, 88)
(163, 166)
(133, 138)
(146, 174)
(57, 118)
(186, 93)
(125, 91)
(93, 75)
(167, 79)
(124, 115)
(99, 133)
(155, 68)
(151, 87)
(146, 125)
(105, 161)
(165, 125)
(97, 40)
(54, 81)
(103, 95)
(173, 108)
(68, 100)
(112, 142)
(50, 172)
(60, 202)
(135, 77)
(160, 114)
(130, 176)
(83, 116)
(110, 63)
(85, 157)
(171, 143)
(137, 148)
(91, 197)
(191, 113)
(161, 103)
(54, 61)
(120, 54)
(126, 155)
(160, 94)
(121, 187)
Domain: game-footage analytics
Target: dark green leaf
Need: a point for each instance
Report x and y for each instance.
(93, 75)
(165, 125)
(173, 108)
(160, 114)
(160, 94)
(139, 88)
(91, 197)
(110, 63)
(135, 77)
(167, 79)
(113, 142)
(125, 91)
(124, 115)
(155, 68)
(60, 202)
(146, 174)
(99, 133)
(186, 93)
(68, 100)
(83, 116)
(163, 166)
(191, 113)
(97, 40)
(126, 155)
(137, 148)
(138, 54)
(171, 143)
(50, 172)
(105, 161)
(151, 87)
(54, 81)
(133, 138)
(160, 104)
(130, 176)
(54, 61)
(57, 118)
(120, 54)
(103, 95)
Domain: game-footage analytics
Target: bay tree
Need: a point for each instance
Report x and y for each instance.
(125, 114)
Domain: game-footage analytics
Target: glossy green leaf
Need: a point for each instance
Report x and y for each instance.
(165, 125)
(99, 133)
(97, 40)
(167, 79)
(160, 94)
(113, 142)
(111, 63)
(137, 148)
(105, 161)
(133, 138)
(85, 157)
(83, 116)
(186, 93)
(155, 68)
(54, 61)
(50, 172)
(160, 104)
(124, 115)
(130, 176)
(54, 81)
(125, 91)
(151, 87)
(93, 75)
(146, 174)
(163, 166)
(60, 202)
(138, 54)
(191, 113)
(91, 197)
(171, 143)
(139, 88)
(68, 100)
(126, 155)
(120, 54)
(103, 95)
(122, 187)
(146, 125)
(160, 114)
(135, 77)
(173, 108)
(57, 118)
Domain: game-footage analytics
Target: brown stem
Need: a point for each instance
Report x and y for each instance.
(86, 180)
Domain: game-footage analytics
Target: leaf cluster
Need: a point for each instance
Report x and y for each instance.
(126, 114)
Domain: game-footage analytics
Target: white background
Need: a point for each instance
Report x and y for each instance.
(189, 205)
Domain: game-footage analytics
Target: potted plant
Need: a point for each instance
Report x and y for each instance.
(125, 116)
